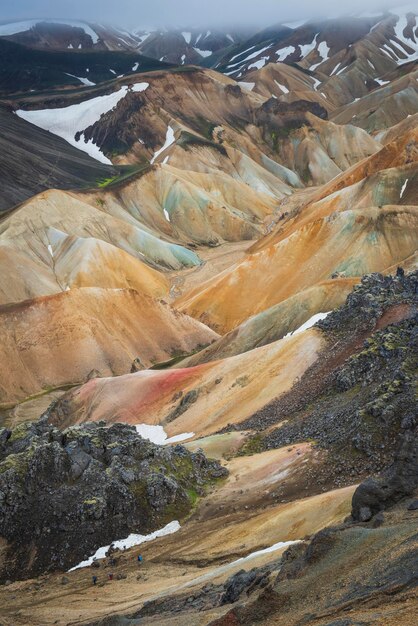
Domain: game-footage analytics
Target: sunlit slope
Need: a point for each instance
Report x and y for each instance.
(201, 399)
(350, 242)
(58, 340)
(67, 237)
(277, 321)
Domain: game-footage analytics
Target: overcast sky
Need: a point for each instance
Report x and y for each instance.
(137, 13)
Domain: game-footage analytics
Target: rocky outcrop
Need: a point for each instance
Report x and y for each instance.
(398, 481)
(64, 494)
(369, 300)
(358, 399)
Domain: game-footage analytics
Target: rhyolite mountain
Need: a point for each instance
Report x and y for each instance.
(209, 236)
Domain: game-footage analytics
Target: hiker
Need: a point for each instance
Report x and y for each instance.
(94, 579)
(139, 559)
(110, 576)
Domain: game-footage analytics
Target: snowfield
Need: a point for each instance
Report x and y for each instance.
(66, 122)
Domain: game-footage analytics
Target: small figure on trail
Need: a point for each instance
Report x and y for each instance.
(400, 272)
(94, 579)
(139, 559)
(110, 576)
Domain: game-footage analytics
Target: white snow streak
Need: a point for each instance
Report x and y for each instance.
(203, 53)
(169, 139)
(404, 187)
(282, 87)
(335, 69)
(85, 81)
(130, 541)
(277, 546)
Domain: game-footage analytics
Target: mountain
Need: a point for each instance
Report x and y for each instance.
(61, 34)
(208, 307)
(24, 69)
(178, 46)
(186, 46)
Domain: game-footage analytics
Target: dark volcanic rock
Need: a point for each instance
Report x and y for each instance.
(359, 397)
(64, 494)
(398, 481)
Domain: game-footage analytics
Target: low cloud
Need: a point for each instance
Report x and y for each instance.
(172, 13)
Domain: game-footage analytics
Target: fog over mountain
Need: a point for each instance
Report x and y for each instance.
(166, 12)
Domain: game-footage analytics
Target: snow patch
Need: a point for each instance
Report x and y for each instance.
(248, 86)
(85, 81)
(187, 37)
(283, 53)
(139, 87)
(305, 49)
(277, 546)
(258, 64)
(323, 50)
(156, 434)
(241, 53)
(203, 53)
(282, 87)
(169, 139)
(335, 69)
(249, 57)
(130, 541)
(166, 215)
(308, 324)
(404, 187)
